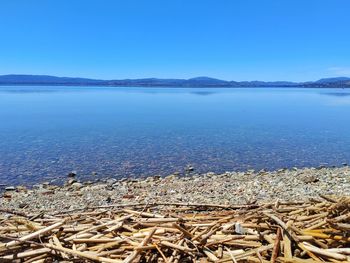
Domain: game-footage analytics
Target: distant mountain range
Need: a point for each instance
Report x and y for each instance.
(155, 82)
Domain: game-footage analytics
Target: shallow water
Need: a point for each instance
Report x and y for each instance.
(46, 132)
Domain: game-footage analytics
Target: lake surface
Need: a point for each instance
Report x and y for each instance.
(46, 132)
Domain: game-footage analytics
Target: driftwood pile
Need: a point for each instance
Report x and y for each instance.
(315, 231)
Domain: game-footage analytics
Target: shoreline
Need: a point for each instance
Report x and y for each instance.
(230, 188)
(279, 216)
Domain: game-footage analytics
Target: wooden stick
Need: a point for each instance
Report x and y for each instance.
(287, 248)
(324, 253)
(25, 254)
(32, 235)
(144, 242)
(82, 254)
(276, 247)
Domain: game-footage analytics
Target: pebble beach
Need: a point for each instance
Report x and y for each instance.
(229, 188)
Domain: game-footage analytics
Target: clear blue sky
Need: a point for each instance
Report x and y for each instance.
(228, 39)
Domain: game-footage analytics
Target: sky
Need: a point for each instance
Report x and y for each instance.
(296, 40)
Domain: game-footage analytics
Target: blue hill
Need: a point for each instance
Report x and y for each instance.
(156, 82)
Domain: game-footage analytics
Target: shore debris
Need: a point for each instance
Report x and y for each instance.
(314, 231)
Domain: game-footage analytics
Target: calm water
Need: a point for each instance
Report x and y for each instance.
(46, 132)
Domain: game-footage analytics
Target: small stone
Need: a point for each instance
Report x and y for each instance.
(21, 188)
(72, 174)
(71, 181)
(309, 179)
(156, 177)
(133, 180)
(109, 187)
(76, 193)
(47, 192)
(77, 186)
(189, 168)
(128, 196)
(10, 188)
(22, 205)
(45, 185)
(171, 177)
(7, 195)
(111, 181)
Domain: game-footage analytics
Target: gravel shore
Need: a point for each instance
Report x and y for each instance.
(224, 189)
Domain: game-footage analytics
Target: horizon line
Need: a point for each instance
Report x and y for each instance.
(168, 78)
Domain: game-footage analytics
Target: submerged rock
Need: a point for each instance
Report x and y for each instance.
(72, 174)
(189, 168)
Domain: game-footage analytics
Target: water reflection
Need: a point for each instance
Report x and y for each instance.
(337, 94)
